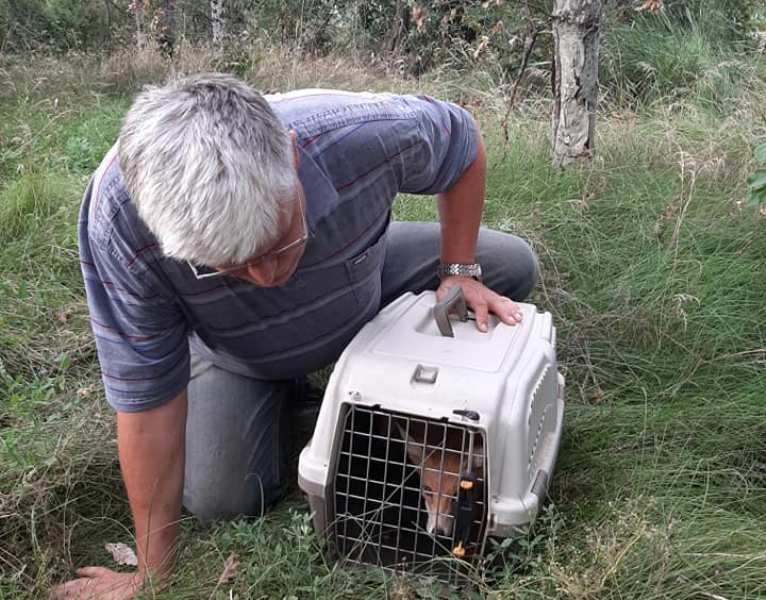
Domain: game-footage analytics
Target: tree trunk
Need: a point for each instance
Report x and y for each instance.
(108, 9)
(138, 11)
(166, 30)
(398, 30)
(217, 23)
(575, 79)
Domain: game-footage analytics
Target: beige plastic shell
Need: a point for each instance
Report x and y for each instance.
(508, 376)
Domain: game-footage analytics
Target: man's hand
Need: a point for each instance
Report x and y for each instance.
(482, 301)
(98, 583)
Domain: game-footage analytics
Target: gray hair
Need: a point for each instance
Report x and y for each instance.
(208, 165)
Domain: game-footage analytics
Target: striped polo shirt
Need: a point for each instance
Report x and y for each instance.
(357, 151)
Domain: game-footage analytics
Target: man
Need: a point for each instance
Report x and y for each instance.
(231, 244)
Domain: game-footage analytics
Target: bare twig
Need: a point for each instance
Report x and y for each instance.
(530, 37)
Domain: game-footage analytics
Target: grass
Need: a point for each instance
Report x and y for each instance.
(654, 270)
(667, 57)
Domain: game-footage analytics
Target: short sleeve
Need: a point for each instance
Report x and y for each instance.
(140, 332)
(448, 146)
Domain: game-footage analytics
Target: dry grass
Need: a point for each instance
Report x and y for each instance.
(269, 69)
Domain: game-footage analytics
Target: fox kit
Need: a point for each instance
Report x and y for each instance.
(440, 470)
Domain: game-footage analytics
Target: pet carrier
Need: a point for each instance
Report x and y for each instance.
(433, 436)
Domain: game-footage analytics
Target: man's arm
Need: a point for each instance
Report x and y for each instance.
(152, 448)
(460, 210)
(152, 451)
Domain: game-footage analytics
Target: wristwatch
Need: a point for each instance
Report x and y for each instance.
(462, 269)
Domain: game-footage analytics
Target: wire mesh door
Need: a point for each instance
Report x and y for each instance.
(408, 492)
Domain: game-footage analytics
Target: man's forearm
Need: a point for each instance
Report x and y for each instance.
(460, 210)
(152, 448)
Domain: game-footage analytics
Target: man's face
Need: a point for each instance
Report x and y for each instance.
(274, 266)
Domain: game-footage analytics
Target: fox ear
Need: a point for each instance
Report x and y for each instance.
(414, 450)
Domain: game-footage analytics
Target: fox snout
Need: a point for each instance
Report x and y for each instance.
(441, 510)
(440, 480)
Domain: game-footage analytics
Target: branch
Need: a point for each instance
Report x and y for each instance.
(529, 43)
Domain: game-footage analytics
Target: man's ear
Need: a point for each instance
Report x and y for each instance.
(293, 135)
(414, 450)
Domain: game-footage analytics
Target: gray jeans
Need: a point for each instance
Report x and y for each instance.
(238, 428)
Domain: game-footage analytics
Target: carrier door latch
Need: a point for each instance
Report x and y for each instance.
(464, 513)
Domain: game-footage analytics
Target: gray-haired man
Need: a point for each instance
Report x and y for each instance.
(231, 243)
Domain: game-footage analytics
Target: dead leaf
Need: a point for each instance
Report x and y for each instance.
(62, 316)
(482, 46)
(651, 5)
(418, 16)
(229, 569)
(87, 391)
(122, 554)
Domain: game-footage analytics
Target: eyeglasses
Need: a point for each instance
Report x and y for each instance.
(259, 259)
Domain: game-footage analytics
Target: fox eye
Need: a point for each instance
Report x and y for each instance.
(427, 490)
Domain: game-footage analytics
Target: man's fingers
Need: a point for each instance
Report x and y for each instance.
(77, 588)
(507, 310)
(481, 312)
(482, 301)
(60, 591)
(93, 571)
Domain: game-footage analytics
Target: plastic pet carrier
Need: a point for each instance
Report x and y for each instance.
(433, 436)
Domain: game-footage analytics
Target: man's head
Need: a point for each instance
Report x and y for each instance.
(211, 169)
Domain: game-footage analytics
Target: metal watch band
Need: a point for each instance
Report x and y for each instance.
(462, 269)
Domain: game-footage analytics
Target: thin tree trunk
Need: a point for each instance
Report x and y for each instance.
(217, 23)
(575, 79)
(108, 8)
(530, 37)
(166, 32)
(397, 31)
(138, 11)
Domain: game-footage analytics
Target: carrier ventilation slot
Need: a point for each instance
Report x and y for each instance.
(538, 415)
(383, 488)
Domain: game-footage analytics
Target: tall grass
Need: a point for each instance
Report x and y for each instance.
(657, 57)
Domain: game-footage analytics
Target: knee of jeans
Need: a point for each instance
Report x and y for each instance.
(528, 270)
(520, 275)
(250, 498)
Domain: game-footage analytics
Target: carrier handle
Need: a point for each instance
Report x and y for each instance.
(454, 300)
